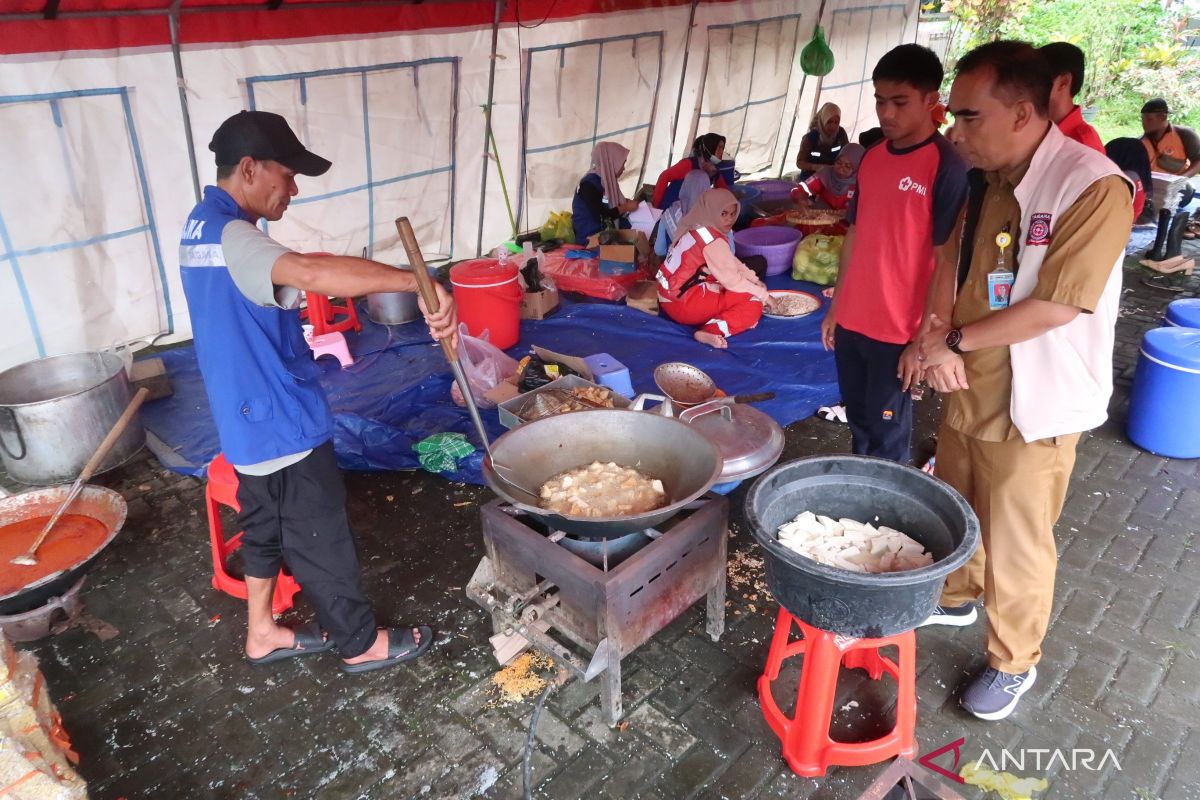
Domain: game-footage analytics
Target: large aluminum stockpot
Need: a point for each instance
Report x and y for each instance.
(54, 412)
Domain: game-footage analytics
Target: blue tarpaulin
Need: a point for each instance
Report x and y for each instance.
(398, 391)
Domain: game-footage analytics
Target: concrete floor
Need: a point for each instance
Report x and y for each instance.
(169, 708)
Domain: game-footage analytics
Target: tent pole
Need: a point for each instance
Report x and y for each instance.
(791, 131)
(173, 21)
(687, 46)
(487, 126)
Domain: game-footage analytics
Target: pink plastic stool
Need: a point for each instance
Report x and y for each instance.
(332, 344)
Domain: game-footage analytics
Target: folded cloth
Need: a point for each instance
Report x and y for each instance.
(441, 452)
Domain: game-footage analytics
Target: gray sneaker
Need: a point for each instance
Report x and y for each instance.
(958, 616)
(994, 694)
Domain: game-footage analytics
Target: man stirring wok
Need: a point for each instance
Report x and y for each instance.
(272, 418)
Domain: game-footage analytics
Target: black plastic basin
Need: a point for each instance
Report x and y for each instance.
(862, 605)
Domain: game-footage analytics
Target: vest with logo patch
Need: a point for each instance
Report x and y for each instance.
(259, 374)
(683, 262)
(1062, 380)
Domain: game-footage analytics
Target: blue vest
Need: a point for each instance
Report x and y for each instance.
(258, 371)
(582, 219)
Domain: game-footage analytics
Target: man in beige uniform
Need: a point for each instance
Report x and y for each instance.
(1027, 360)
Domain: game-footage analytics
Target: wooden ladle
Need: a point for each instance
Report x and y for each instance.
(29, 557)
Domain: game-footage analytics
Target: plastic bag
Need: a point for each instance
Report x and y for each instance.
(816, 58)
(484, 364)
(536, 373)
(558, 226)
(816, 259)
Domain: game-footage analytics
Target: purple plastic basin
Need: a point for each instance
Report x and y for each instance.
(775, 243)
(774, 191)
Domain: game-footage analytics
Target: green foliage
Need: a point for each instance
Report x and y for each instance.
(1133, 47)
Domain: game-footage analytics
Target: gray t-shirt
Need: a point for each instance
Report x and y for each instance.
(250, 256)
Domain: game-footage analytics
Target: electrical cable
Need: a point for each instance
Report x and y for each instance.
(517, 13)
(526, 765)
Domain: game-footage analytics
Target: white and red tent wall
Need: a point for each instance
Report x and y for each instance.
(107, 108)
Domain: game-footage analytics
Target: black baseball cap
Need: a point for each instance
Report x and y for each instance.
(266, 137)
(1156, 106)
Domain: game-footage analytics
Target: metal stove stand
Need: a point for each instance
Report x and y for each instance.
(542, 595)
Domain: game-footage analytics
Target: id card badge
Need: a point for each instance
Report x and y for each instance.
(1001, 279)
(999, 289)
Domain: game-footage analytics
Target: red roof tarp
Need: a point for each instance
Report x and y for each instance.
(112, 24)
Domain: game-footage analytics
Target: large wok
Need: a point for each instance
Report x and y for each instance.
(667, 449)
(96, 502)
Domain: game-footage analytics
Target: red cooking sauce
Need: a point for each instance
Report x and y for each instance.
(73, 540)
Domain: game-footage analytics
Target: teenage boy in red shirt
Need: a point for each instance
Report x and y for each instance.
(911, 191)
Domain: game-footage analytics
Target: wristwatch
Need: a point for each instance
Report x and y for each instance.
(953, 339)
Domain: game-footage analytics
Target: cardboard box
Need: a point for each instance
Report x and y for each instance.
(623, 258)
(643, 296)
(539, 305)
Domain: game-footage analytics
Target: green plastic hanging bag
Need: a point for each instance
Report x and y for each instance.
(816, 58)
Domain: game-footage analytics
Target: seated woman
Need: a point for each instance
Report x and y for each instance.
(822, 144)
(599, 202)
(832, 187)
(701, 282)
(695, 184)
(1130, 157)
(707, 152)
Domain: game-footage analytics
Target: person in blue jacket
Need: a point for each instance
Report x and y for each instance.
(273, 421)
(599, 202)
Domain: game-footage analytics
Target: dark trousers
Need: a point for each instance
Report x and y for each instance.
(879, 413)
(297, 517)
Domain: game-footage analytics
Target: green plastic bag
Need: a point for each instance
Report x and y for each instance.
(558, 226)
(816, 259)
(816, 58)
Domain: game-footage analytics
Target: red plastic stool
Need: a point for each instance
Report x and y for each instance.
(807, 746)
(222, 491)
(327, 315)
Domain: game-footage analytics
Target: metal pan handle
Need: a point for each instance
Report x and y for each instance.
(10, 426)
(721, 405)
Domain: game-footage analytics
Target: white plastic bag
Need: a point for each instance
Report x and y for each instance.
(484, 364)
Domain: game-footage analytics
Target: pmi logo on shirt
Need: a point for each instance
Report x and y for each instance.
(907, 184)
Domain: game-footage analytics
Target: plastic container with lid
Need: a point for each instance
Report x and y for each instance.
(1183, 313)
(1166, 392)
(488, 299)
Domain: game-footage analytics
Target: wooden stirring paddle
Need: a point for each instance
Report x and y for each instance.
(29, 557)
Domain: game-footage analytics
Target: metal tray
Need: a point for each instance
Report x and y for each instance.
(509, 408)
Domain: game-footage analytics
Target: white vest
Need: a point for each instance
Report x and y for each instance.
(1062, 380)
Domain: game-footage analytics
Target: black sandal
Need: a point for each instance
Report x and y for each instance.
(309, 641)
(402, 646)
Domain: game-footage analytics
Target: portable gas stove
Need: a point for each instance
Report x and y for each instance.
(589, 603)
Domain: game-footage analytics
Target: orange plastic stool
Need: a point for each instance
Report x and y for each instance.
(222, 491)
(807, 746)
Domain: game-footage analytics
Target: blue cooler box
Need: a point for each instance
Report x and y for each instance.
(1166, 394)
(1183, 313)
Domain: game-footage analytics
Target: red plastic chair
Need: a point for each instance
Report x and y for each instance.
(807, 746)
(221, 490)
(330, 315)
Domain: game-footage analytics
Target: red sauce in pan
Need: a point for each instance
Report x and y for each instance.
(73, 540)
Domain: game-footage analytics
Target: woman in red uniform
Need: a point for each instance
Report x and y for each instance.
(832, 187)
(701, 282)
(707, 153)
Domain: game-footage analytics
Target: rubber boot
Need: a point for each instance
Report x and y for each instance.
(1175, 236)
(1158, 251)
